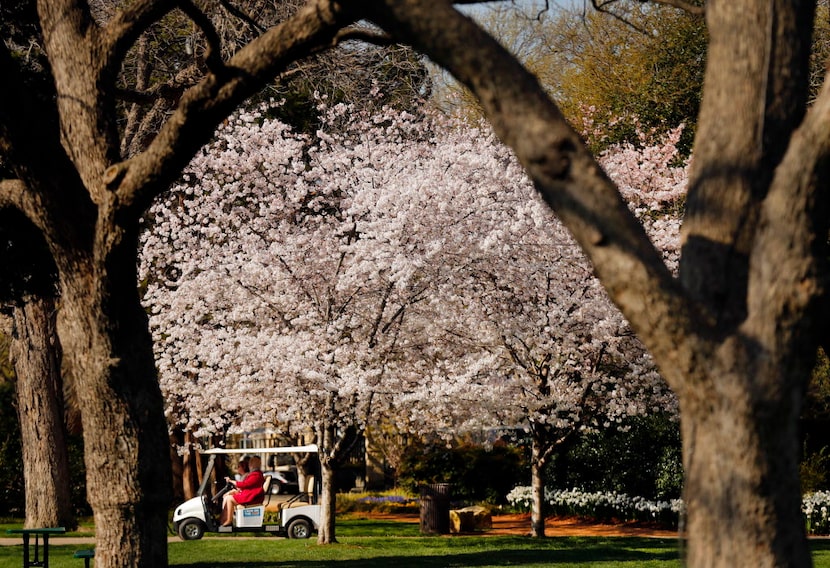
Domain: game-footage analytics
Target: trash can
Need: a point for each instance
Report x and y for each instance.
(435, 508)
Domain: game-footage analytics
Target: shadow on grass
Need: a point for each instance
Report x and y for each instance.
(617, 551)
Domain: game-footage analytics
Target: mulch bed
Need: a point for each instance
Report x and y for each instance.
(519, 525)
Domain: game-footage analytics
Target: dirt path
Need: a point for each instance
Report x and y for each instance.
(519, 525)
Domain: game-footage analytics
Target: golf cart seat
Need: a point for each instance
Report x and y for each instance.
(302, 498)
(266, 487)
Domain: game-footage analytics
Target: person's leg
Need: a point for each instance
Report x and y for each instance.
(228, 506)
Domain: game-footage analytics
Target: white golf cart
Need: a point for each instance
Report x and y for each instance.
(295, 518)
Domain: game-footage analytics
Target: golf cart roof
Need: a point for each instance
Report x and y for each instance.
(310, 448)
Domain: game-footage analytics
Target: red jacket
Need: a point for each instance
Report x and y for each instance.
(250, 489)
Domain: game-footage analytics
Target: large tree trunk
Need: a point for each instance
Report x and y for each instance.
(328, 502)
(104, 332)
(742, 494)
(35, 354)
(749, 266)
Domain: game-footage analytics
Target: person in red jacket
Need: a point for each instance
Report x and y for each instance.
(248, 491)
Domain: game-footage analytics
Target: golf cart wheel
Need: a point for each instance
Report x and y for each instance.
(299, 528)
(191, 529)
(276, 488)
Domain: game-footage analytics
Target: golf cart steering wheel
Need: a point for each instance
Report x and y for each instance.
(228, 486)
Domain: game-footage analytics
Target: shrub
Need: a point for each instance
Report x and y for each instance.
(623, 461)
(816, 509)
(377, 502)
(476, 473)
(813, 470)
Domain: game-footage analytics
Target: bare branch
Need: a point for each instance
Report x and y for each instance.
(13, 194)
(213, 55)
(694, 9)
(169, 90)
(237, 12)
(205, 105)
(128, 24)
(601, 7)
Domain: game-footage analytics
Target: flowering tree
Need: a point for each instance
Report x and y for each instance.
(291, 277)
(347, 285)
(561, 356)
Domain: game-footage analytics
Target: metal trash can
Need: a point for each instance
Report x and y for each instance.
(435, 508)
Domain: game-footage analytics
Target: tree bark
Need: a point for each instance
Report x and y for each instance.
(191, 471)
(35, 354)
(328, 502)
(538, 461)
(104, 331)
(742, 493)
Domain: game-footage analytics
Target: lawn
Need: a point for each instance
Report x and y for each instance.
(386, 543)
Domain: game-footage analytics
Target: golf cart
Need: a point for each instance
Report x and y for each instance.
(296, 517)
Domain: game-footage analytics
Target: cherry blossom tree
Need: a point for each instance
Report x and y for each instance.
(347, 287)
(572, 359)
(559, 356)
(283, 295)
(293, 280)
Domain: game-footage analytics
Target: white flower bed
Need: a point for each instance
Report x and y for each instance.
(816, 509)
(621, 507)
(600, 505)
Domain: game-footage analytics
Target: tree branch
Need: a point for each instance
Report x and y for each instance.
(205, 105)
(13, 194)
(787, 287)
(213, 55)
(601, 7)
(123, 30)
(234, 11)
(694, 9)
(729, 178)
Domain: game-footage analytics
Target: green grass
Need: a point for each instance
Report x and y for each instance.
(380, 544)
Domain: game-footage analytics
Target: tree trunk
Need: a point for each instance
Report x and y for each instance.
(191, 470)
(537, 492)
(306, 470)
(103, 329)
(742, 492)
(35, 353)
(328, 502)
(178, 469)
